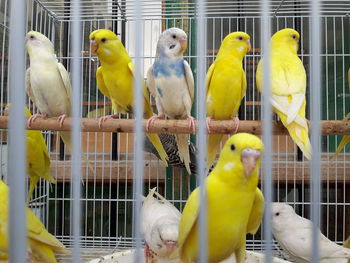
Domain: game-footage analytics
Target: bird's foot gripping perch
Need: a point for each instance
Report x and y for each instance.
(236, 121)
(152, 119)
(61, 119)
(207, 121)
(191, 124)
(104, 118)
(32, 118)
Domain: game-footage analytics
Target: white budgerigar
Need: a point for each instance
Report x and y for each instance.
(160, 221)
(170, 81)
(47, 82)
(293, 233)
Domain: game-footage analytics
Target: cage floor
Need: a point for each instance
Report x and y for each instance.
(87, 254)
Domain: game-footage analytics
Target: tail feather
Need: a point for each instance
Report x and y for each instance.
(182, 145)
(213, 147)
(298, 132)
(344, 141)
(154, 138)
(33, 180)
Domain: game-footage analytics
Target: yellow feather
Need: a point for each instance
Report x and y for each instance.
(115, 79)
(226, 85)
(235, 205)
(41, 244)
(288, 86)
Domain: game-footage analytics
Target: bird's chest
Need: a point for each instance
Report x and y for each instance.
(49, 91)
(171, 88)
(120, 86)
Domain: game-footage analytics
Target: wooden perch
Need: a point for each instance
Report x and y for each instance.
(176, 126)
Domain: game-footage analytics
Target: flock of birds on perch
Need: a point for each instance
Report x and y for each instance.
(235, 203)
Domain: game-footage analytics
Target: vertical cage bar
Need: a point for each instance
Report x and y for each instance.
(76, 136)
(315, 98)
(17, 147)
(201, 142)
(138, 147)
(267, 130)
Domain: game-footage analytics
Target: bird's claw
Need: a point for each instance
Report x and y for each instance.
(61, 119)
(152, 119)
(236, 121)
(191, 124)
(207, 121)
(32, 118)
(104, 118)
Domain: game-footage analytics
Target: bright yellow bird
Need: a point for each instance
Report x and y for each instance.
(346, 139)
(226, 86)
(41, 244)
(38, 160)
(115, 79)
(235, 203)
(288, 86)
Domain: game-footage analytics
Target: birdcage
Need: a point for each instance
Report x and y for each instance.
(107, 197)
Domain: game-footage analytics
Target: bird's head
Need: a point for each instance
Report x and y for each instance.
(237, 43)
(104, 43)
(172, 42)
(241, 152)
(286, 38)
(280, 213)
(36, 42)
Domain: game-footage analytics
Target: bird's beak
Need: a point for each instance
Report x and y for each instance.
(249, 46)
(93, 47)
(170, 245)
(183, 43)
(249, 158)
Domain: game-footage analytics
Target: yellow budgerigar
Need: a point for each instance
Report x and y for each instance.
(346, 139)
(288, 86)
(38, 159)
(42, 246)
(115, 78)
(234, 202)
(226, 86)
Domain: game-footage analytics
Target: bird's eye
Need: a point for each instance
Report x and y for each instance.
(240, 38)
(32, 37)
(172, 46)
(103, 40)
(174, 36)
(294, 36)
(277, 214)
(232, 147)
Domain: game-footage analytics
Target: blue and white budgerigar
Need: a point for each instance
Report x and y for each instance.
(170, 81)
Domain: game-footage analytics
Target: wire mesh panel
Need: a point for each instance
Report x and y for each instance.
(107, 197)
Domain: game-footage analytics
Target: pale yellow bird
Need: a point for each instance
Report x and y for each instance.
(226, 86)
(42, 246)
(234, 202)
(47, 82)
(115, 79)
(288, 86)
(38, 159)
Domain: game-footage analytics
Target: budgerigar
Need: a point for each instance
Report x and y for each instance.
(41, 244)
(115, 79)
(170, 81)
(160, 221)
(235, 204)
(38, 159)
(293, 233)
(288, 86)
(170, 147)
(47, 82)
(346, 138)
(226, 86)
